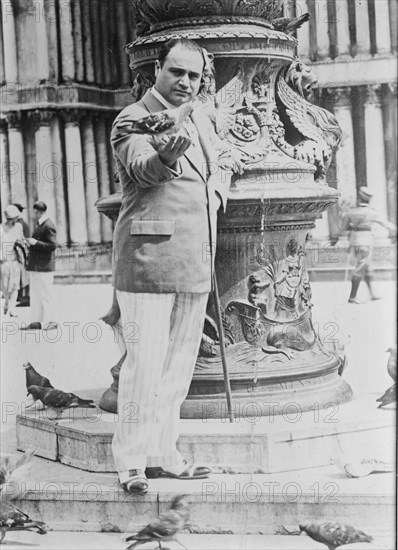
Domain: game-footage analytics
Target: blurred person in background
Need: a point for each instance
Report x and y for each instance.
(23, 299)
(359, 221)
(41, 265)
(11, 234)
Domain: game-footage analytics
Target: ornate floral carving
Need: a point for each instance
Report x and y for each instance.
(149, 13)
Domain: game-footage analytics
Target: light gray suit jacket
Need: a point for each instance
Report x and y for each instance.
(164, 239)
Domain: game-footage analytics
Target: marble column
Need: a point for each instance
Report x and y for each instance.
(390, 144)
(345, 156)
(87, 43)
(42, 49)
(362, 26)
(60, 176)
(97, 41)
(5, 190)
(375, 155)
(103, 172)
(105, 36)
(382, 21)
(322, 28)
(53, 41)
(78, 41)
(91, 180)
(303, 33)
(45, 179)
(17, 158)
(67, 45)
(75, 177)
(343, 31)
(9, 42)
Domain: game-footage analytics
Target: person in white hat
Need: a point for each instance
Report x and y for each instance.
(359, 222)
(11, 234)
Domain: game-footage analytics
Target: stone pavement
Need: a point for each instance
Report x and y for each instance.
(112, 541)
(80, 354)
(83, 351)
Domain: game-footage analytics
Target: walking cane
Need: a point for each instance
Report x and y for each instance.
(222, 349)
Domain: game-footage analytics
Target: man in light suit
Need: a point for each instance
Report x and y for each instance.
(41, 266)
(163, 267)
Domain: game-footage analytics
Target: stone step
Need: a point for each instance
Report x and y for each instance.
(287, 441)
(115, 541)
(74, 500)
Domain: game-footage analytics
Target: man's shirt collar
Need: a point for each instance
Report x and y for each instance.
(162, 100)
(42, 219)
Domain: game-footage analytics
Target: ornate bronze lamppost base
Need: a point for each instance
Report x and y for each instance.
(256, 92)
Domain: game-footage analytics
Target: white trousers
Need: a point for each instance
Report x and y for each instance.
(41, 296)
(162, 333)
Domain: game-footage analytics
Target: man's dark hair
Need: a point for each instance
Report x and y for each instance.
(183, 43)
(40, 205)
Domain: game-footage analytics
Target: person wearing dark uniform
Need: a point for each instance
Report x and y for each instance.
(360, 222)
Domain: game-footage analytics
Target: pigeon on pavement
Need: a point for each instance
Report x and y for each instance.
(166, 527)
(333, 534)
(13, 519)
(168, 121)
(390, 395)
(33, 378)
(289, 25)
(58, 400)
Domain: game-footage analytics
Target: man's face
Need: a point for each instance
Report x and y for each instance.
(178, 81)
(37, 214)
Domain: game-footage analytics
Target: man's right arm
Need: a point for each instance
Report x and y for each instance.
(142, 162)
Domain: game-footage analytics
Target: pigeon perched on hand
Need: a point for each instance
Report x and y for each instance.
(13, 471)
(333, 534)
(13, 519)
(166, 527)
(289, 25)
(33, 378)
(168, 121)
(58, 400)
(390, 395)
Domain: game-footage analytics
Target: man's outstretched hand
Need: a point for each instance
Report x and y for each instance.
(170, 148)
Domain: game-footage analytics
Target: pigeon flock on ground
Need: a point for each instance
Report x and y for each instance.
(40, 389)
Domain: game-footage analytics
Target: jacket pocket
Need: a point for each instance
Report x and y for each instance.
(152, 227)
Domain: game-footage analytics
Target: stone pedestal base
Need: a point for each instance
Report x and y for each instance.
(268, 444)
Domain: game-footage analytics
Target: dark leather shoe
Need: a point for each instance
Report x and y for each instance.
(32, 326)
(137, 482)
(23, 303)
(190, 471)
